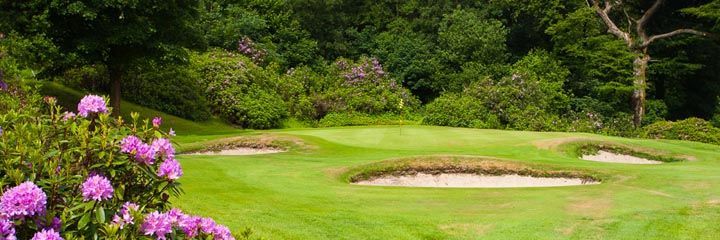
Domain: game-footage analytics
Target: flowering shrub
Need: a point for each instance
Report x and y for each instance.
(240, 91)
(456, 110)
(87, 175)
(692, 129)
(531, 98)
(365, 87)
(248, 48)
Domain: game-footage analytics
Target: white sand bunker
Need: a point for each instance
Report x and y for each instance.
(466, 180)
(605, 156)
(240, 151)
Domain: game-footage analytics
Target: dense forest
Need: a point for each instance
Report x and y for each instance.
(624, 68)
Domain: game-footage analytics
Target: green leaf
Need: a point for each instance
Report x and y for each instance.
(84, 221)
(50, 154)
(89, 205)
(100, 214)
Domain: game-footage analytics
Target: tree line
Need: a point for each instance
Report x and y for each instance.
(638, 61)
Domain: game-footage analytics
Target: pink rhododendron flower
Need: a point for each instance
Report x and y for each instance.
(96, 188)
(156, 122)
(170, 169)
(26, 199)
(47, 234)
(156, 224)
(91, 104)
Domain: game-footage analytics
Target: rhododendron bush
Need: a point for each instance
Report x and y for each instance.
(87, 175)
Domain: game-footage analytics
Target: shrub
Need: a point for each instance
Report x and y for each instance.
(172, 89)
(240, 91)
(456, 110)
(692, 129)
(531, 98)
(87, 175)
(259, 109)
(364, 87)
(91, 78)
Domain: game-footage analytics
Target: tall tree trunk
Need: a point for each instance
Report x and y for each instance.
(640, 65)
(115, 91)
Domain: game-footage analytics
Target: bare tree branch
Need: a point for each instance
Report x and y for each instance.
(608, 6)
(644, 19)
(629, 20)
(612, 28)
(649, 13)
(673, 33)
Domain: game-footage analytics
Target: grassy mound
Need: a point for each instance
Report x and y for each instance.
(438, 164)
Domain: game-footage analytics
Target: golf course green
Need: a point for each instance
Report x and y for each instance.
(305, 193)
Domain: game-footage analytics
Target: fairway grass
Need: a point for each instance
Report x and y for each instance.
(307, 195)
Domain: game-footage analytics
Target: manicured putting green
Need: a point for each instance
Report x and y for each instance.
(306, 194)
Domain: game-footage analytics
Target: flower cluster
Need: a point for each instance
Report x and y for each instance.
(47, 234)
(372, 71)
(96, 188)
(68, 116)
(249, 48)
(7, 228)
(23, 200)
(170, 169)
(147, 153)
(125, 216)
(160, 224)
(91, 104)
(156, 122)
(163, 147)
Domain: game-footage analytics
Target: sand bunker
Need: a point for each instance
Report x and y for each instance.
(605, 156)
(466, 180)
(240, 151)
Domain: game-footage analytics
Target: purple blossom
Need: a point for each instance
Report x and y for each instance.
(221, 232)
(125, 216)
(207, 225)
(190, 225)
(1, 132)
(145, 154)
(96, 188)
(56, 224)
(3, 85)
(247, 47)
(157, 224)
(26, 199)
(91, 104)
(156, 122)
(163, 147)
(175, 215)
(47, 234)
(130, 144)
(68, 115)
(171, 132)
(170, 169)
(7, 228)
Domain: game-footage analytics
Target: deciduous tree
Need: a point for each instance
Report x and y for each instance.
(637, 39)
